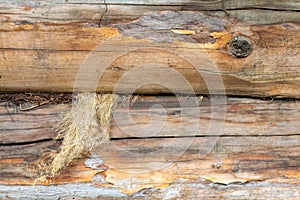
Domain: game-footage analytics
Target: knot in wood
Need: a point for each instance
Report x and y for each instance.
(240, 47)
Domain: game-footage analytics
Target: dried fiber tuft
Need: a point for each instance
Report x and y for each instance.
(86, 126)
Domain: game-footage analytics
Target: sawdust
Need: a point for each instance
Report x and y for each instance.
(86, 126)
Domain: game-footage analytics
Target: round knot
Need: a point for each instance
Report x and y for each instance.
(240, 47)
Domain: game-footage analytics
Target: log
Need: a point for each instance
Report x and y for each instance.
(239, 117)
(120, 11)
(178, 52)
(230, 131)
(258, 147)
(66, 59)
(253, 190)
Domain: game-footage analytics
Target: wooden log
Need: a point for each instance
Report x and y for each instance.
(120, 11)
(161, 147)
(253, 190)
(238, 117)
(191, 52)
(234, 160)
(259, 142)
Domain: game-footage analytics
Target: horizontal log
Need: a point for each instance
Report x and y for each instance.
(253, 190)
(176, 118)
(116, 11)
(132, 165)
(259, 144)
(163, 52)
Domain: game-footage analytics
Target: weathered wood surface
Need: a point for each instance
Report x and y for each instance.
(239, 117)
(58, 58)
(204, 190)
(259, 144)
(256, 155)
(120, 11)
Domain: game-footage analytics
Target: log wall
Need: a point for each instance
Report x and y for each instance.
(258, 147)
(242, 146)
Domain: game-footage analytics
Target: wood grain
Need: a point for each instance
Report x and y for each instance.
(157, 163)
(205, 189)
(259, 144)
(119, 11)
(144, 118)
(60, 58)
(162, 147)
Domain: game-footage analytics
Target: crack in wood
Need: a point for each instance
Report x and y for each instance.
(224, 8)
(147, 138)
(26, 143)
(103, 13)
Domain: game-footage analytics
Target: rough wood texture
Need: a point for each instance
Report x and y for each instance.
(120, 11)
(179, 190)
(252, 48)
(259, 144)
(242, 117)
(171, 47)
(204, 190)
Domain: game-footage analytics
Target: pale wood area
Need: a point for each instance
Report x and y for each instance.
(205, 190)
(120, 11)
(242, 117)
(59, 59)
(258, 144)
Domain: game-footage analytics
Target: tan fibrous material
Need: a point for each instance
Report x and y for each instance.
(86, 126)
